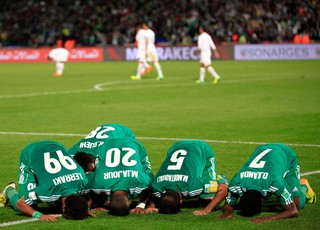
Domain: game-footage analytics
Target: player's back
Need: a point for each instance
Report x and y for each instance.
(96, 138)
(272, 158)
(52, 166)
(120, 166)
(205, 43)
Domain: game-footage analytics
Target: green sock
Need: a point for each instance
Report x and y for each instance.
(304, 189)
(13, 196)
(10, 192)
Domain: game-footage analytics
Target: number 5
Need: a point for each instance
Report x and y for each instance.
(178, 158)
(255, 164)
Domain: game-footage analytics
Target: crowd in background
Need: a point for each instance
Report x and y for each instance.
(37, 23)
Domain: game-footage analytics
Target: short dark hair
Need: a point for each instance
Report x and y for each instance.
(119, 205)
(75, 207)
(84, 160)
(250, 203)
(169, 202)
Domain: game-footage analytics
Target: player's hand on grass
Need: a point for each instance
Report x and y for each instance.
(138, 210)
(260, 220)
(48, 217)
(151, 210)
(201, 212)
(98, 210)
(225, 216)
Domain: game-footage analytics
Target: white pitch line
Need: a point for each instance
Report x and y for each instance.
(6, 224)
(133, 85)
(156, 138)
(310, 173)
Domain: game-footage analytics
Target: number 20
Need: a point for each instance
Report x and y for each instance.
(255, 164)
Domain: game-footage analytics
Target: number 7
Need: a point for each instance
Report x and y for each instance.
(255, 164)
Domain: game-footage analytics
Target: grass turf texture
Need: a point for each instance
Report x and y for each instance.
(255, 102)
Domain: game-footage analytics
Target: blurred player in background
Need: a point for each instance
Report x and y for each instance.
(271, 171)
(59, 56)
(205, 45)
(47, 174)
(152, 56)
(141, 43)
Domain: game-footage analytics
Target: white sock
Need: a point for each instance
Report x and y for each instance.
(140, 69)
(158, 68)
(202, 73)
(59, 67)
(213, 72)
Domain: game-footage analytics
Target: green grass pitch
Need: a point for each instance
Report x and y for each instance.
(255, 102)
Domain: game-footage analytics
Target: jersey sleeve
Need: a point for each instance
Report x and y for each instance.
(211, 43)
(27, 184)
(282, 192)
(144, 159)
(209, 172)
(234, 190)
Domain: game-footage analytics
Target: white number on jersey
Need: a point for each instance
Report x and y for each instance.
(100, 132)
(113, 157)
(177, 158)
(255, 164)
(52, 165)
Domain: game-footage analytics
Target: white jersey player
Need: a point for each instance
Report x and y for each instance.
(59, 56)
(205, 45)
(152, 56)
(142, 52)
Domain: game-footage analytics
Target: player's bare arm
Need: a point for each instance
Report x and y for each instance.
(227, 211)
(290, 211)
(145, 197)
(217, 199)
(29, 211)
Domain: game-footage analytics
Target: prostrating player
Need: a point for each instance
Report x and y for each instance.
(188, 171)
(152, 56)
(123, 171)
(272, 169)
(205, 45)
(59, 56)
(47, 173)
(141, 43)
(98, 136)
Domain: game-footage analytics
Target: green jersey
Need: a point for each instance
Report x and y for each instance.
(189, 168)
(123, 165)
(47, 172)
(272, 169)
(98, 136)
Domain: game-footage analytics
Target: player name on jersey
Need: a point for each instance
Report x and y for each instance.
(254, 175)
(91, 145)
(122, 173)
(67, 178)
(178, 177)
